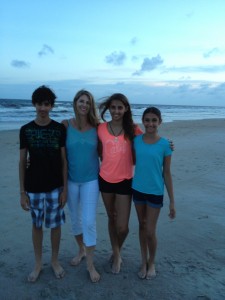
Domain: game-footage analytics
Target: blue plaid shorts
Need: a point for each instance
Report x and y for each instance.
(46, 206)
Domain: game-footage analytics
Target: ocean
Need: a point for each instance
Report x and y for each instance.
(15, 113)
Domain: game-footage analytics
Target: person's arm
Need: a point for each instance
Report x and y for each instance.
(137, 130)
(63, 195)
(172, 146)
(24, 199)
(169, 185)
(100, 149)
(65, 123)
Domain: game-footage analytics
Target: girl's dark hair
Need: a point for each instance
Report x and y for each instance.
(128, 124)
(92, 115)
(43, 94)
(153, 110)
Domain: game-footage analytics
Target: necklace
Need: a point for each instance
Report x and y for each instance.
(116, 136)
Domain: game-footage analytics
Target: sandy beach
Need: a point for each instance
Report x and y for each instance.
(191, 250)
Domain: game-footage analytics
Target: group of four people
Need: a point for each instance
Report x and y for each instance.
(59, 163)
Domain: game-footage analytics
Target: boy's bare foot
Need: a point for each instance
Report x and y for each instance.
(151, 272)
(78, 258)
(58, 270)
(94, 275)
(143, 271)
(116, 265)
(33, 276)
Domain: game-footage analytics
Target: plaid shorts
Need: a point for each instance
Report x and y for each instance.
(46, 206)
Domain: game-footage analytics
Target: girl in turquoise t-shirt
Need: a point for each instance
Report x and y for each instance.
(152, 171)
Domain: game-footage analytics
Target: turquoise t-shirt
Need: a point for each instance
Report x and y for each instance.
(148, 176)
(82, 154)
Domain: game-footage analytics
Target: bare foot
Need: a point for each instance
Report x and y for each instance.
(143, 271)
(78, 258)
(151, 272)
(116, 265)
(58, 270)
(94, 275)
(33, 276)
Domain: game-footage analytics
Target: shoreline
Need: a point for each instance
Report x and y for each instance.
(3, 128)
(191, 249)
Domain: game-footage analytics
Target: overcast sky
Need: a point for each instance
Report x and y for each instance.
(160, 52)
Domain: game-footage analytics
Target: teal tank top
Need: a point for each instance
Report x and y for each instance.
(82, 154)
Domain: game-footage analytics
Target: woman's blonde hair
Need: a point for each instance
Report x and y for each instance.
(92, 117)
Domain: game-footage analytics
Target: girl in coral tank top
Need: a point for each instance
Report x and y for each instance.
(116, 170)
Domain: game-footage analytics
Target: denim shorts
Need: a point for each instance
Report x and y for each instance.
(149, 199)
(120, 188)
(46, 206)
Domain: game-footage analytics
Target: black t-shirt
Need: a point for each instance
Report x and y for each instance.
(43, 143)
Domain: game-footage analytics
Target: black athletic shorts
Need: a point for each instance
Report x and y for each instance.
(121, 188)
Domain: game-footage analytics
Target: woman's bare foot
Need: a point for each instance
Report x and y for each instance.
(143, 271)
(116, 265)
(58, 270)
(151, 273)
(94, 275)
(33, 276)
(78, 258)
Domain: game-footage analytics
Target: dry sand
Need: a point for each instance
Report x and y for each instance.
(191, 250)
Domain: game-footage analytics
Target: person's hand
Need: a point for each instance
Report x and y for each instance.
(172, 146)
(25, 201)
(28, 163)
(62, 199)
(172, 213)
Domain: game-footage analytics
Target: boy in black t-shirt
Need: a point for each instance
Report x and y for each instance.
(43, 181)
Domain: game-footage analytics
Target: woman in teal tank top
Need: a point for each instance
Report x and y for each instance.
(83, 169)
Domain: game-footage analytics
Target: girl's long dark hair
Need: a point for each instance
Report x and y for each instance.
(128, 124)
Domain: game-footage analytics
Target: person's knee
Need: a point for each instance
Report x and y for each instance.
(112, 217)
(57, 228)
(151, 235)
(142, 225)
(122, 230)
(37, 228)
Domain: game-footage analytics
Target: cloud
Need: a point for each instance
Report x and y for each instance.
(134, 58)
(211, 52)
(198, 69)
(163, 92)
(149, 64)
(134, 41)
(45, 50)
(116, 58)
(185, 78)
(20, 64)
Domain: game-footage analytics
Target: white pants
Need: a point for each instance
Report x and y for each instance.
(82, 202)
